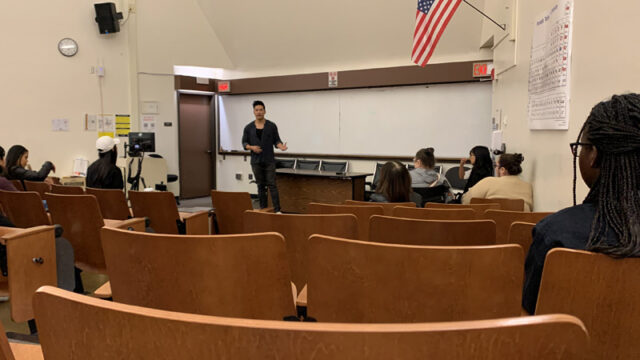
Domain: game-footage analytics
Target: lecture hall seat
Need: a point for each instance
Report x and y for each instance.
(505, 204)
(362, 213)
(363, 282)
(393, 230)
(504, 219)
(112, 202)
(435, 214)
(132, 332)
(67, 190)
(161, 209)
(602, 291)
(296, 230)
(478, 208)
(387, 206)
(245, 275)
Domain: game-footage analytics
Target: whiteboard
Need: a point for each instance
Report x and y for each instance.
(396, 121)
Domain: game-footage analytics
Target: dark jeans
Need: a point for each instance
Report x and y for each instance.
(266, 178)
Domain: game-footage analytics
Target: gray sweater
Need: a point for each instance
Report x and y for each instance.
(423, 177)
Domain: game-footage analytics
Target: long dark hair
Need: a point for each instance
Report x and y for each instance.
(106, 161)
(395, 182)
(13, 157)
(482, 168)
(613, 127)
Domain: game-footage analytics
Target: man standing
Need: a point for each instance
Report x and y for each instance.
(259, 137)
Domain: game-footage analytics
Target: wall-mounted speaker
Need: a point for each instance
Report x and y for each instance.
(107, 18)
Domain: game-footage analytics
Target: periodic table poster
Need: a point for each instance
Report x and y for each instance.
(550, 69)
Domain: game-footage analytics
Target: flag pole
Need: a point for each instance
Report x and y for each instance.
(503, 27)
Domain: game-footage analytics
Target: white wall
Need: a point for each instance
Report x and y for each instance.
(39, 84)
(605, 61)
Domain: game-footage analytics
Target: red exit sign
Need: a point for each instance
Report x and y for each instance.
(224, 86)
(482, 69)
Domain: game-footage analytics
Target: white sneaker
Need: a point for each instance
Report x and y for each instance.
(278, 212)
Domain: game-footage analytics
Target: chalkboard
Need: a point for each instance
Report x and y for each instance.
(397, 121)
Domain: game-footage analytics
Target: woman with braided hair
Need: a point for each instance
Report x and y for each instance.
(608, 221)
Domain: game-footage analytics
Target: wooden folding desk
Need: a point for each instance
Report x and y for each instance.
(297, 188)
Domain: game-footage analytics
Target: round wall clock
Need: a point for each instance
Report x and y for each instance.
(68, 47)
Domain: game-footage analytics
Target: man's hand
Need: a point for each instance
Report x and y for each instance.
(256, 149)
(282, 146)
(463, 161)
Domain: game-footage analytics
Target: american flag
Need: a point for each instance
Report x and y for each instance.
(432, 17)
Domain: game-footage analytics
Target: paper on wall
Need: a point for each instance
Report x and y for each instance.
(549, 71)
(80, 167)
(60, 125)
(148, 123)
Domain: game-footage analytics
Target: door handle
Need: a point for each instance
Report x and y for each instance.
(208, 152)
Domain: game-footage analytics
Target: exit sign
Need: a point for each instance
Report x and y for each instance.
(224, 86)
(482, 69)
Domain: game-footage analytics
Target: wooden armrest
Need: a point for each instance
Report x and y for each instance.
(31, 261)
(136, 223)
(6, 230)
(23, 351)
(197, 223)
(302, 297)
(268, 210)
(103, 292)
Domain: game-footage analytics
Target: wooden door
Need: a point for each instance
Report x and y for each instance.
(196, 134)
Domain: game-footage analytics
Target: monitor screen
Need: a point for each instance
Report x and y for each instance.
(142, 142)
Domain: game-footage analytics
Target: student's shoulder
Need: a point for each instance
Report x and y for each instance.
(563, 220)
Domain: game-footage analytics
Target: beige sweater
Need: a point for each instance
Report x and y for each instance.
(506, 187)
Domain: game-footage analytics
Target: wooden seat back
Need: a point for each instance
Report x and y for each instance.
(112, 202)
(24, 208)
(521, 233)
(67, 190)
(31, 263)
(478, 208)
(141, 333)
(435, 214)
(229, 208)
(504, 219)
(81, 220)
(387, 229)
(245, 275)
(40, 187)
(505, 204)
(356, 281)
(159, 206)
(296, 230)
(602, 291)
(18, 184)
(362, 213)
(388, 207)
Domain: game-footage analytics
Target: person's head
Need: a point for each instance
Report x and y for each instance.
(259, 110)
(608, 152)
(106, 146)
(509, 164)
(2, 163)
(18, 156)
(395, 182)
(424, 159)
(480, 156)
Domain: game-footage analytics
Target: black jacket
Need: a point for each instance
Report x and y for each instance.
(112, 180)
(20, 173)
(270, 138)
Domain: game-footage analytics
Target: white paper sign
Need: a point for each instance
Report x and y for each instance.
(90, 122)
(148, 123)
(80, 167)
(109, 123)
(60, 125)
(549, 71)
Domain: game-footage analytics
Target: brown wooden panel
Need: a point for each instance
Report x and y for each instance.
(296, 192)
(189, 83)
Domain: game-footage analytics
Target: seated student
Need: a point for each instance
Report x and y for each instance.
(395, 185)
(480, 158)
(103, 173)
(4, 183)
(17, 161)
(608, 221)
(423, 174)
(507, 185)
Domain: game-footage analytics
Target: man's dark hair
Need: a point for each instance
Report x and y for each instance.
(613, 127)
(511, 163)
(258, 102)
